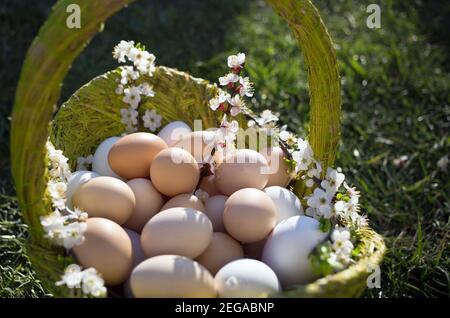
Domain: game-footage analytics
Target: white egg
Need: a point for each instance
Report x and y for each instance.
(100, 163)
(288, 246)
(172, 132)
(76, 179)
(246, 278)
(286, 202)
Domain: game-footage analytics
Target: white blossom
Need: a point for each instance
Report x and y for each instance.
(342, 245)
(288, 137)
(88, 280)
(72, 277)
(236, 61)
(129, 118)
(59, 167)
(146, 89)
(352, 193)
(92, 283)
(52, 223)
(127, 73)
(215, 102)
(320, 201)
(132, 96)
(333, 181)
(57, 192)
(122, 50)
(237, 104)
(119, 89)
(230, 78)
(246, 87)
(152, 120)
(77, 214)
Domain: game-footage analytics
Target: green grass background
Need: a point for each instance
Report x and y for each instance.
(395, 101)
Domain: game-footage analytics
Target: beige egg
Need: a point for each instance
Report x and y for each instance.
(171, 276)
(278, 168)
(174, 171)
(222, 250)
(254, 250)
(208, 184)
(137, 252)
(148, 202)
(249, 215)
(105, 197)
(246, 168)
(130, 157)
(184, 200)
(107, 248)
(215, 206)
(198, 143)
(180, 231)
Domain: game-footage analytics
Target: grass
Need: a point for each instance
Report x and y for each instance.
(395, 99)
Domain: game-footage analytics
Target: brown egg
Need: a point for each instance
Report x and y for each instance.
(208, 184)
(180, 231)
(198, 143)
(130, 157)
(246, 168)
(171, 276)
(254, 250)
(222, 250)
(148, 202)
(105, 197)
(184, 200)
(138, 254)
(215, 206)
(278, 168)
(174, 171)
(108, 249)
(249, 215)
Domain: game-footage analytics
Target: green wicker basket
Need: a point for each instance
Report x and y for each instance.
(178, 96)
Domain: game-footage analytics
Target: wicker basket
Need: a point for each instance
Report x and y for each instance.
(178, 96)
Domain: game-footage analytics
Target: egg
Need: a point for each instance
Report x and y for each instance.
(173, 132)
(105, 197)
(131, 156)
(184, 200)
(287, 249)
(100, 162)
(148, 202)
(174, 171)
(171, 276)
(246, 278)
(245, 168)
(137, 253)
(215, 206)
(286, 202)
(278, 168)
(198, 143)
(249, 215)
(75, 180)
(208, 184)
(180, 231)
(222, 250)
(254, 250)
(107, 248)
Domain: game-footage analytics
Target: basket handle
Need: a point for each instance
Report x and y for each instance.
(56, 47)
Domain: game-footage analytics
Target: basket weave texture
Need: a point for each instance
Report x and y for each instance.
(92, 114)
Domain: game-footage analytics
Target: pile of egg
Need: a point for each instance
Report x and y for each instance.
(148, 234)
